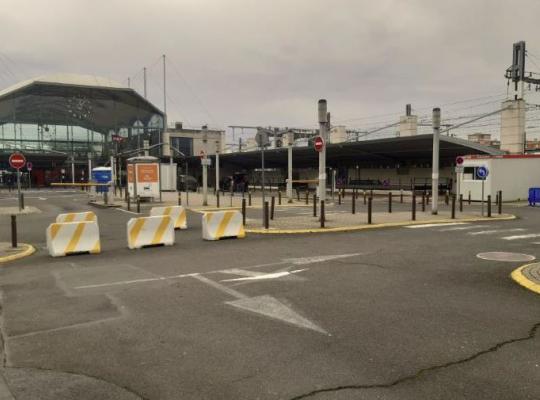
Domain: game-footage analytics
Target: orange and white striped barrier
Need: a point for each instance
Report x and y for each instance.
(88, 216)
(150, 231)
(73, 237)
(222, 224)
(177, 213)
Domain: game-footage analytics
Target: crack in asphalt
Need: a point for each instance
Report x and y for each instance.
(532, 333)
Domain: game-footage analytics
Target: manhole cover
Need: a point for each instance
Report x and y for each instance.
(503, 256)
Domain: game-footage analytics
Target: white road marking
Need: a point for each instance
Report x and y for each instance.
(126, 211)
(517, 237)
(274, 275)
(120, 283)
(317, 259)
(273, 308)
(492, 231)
(462, 228)
(434, 225)
(504, 256)
(220, 287)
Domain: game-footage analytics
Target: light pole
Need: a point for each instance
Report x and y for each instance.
(205, 165)
(435, 162)
(217, 166)
(290, 139)
(323, 125)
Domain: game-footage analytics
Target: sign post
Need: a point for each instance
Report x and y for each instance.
(29, 167)
(261, 138)
(459, 172)
(482, 173)
(17, 161)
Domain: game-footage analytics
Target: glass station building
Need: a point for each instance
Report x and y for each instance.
(60, 120)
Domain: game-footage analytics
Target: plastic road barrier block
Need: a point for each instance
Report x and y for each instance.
(73, 237)
(222, 224)
(77, 217)
(150, 231)
(177, 213)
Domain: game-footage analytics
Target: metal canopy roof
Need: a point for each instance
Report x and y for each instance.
(390, 152)
(91, 102)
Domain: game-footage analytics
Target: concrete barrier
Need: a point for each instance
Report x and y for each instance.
(77, 217)
(177, 213)
(150, 231)
(222, 224)
(73, 237)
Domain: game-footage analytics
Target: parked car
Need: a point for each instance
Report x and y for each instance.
(187, 182)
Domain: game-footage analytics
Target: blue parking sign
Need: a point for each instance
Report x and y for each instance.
(482, 172)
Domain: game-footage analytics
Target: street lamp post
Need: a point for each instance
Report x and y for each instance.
(435, 163)
(290, 139)
(205, 165)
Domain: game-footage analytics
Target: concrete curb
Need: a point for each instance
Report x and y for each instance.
(29, 250)
(374, 226)
(517, 276)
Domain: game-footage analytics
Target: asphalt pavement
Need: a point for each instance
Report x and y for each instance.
(397, 313)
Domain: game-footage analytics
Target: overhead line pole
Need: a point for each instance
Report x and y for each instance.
(435, 162)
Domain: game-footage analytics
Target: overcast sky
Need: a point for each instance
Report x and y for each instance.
(268, 62)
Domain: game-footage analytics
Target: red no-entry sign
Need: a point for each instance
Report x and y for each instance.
(318, 143)
(17, 160)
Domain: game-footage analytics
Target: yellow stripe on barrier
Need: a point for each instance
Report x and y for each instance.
(54, 230)
(89, 217)
(134, 234)
(181, 219)
(70, 218)
(160, 231)
(223, 224)
(167, 211)
(97, 248)
(72, 245)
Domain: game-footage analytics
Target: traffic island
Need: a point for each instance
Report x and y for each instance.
(346, 222)
(8, 253)
(528, 276)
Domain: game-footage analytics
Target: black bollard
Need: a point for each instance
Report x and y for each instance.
(489, 206)
(339, 198)
(369, 210)
(500, 202)
(423, 201)
(446, 198)
(179, 199)
(14, 231)
(389, 202)
(469, 197)
(22, 201)
(138, 204)
(272, 207)
(128, 200)
(461, 202)
(414, 207)
(401, 196)
(453, 206)
(297, 195)
(243, 211)
(365, 197)
(217, 199)
(279, 197)
(249, 199)
(323, 215)
(314, 205)
(353, 205)
(307, 196)
(265, 215)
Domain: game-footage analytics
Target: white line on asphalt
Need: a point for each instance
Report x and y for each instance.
(433, 225)
(220, 287)
(273, 275)
(516, 237)
(462, 228)
(119, 283)
(126, 211)
(492, 231)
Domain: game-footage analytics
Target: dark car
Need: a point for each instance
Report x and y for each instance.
(187, 182)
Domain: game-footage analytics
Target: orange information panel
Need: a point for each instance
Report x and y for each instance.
(130, 174)
(147, 173)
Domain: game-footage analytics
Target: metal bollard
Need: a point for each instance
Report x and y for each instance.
(138, 204)
(307, 196)
(128, 200)
(249, 199)
(469, 197)
(389, 202)
(500, 202)
(401, 196)
(353, 204)
(369, 210)
(232, 194)
(489, 206)
(446, 198)
(323, 215)
(14, 231)
(454, 206)
(244, 212)
(279, 197)
(265, 215)
(365, 197)
(461, 203)
(339, 198)
(217, 199)
(423, 201)
(272, 207)
(22, 201)
(314, 205)
(414, 207)
(179, 199)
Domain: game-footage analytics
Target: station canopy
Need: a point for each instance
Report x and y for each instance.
(389, 152)
(91, 102)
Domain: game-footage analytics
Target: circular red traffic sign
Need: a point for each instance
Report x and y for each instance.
(318, 143)
(459, 160)
(17, 160)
